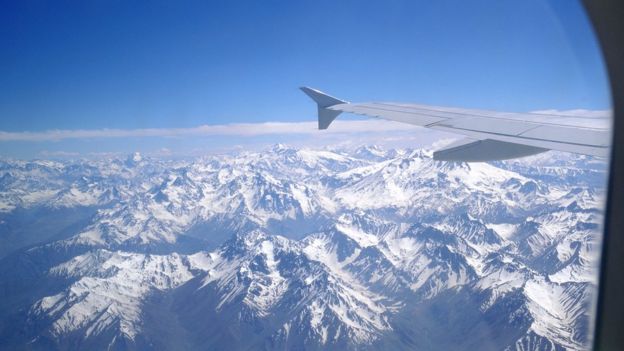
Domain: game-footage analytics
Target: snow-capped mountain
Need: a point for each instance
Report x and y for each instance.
(300, 249)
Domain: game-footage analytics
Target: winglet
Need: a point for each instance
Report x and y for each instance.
(323, 102)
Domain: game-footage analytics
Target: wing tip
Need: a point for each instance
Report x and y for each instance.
(323, 101)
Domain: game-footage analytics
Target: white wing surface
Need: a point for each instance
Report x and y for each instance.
(489, 135)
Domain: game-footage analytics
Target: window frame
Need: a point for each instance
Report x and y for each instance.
(607, 17)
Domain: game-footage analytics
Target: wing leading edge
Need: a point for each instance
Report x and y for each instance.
(489, 135)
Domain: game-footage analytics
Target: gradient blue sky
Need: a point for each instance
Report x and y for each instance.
(178, 64)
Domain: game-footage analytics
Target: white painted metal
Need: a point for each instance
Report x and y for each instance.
(516, 134)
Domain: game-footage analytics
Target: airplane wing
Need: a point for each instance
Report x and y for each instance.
(489, 135)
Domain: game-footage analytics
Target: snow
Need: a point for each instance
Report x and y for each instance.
(203, 261)
(381, 230)
(501, 282)
(38, 196)
(505, 230)
(110, 289)
(304, 201)
(554, 308)
(363, 239)
(270, 289)
(564, 251)
(401, 250)
(6, 207)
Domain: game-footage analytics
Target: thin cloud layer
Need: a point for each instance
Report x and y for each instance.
(239, 129)
(594, 118)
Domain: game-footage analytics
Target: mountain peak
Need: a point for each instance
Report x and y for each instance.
(280, 147)
(133, 159)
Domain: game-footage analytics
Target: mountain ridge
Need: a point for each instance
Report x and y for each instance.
(306, 249)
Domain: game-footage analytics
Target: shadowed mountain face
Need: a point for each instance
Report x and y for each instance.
(298, 249)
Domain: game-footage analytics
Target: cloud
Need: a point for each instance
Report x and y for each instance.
(48, 153)
(589, 118)
(238, 129)
(164, 151)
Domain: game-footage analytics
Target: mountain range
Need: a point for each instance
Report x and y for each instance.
(300, 249)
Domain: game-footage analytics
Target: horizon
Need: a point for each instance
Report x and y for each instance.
(211, 139)
(118, 77)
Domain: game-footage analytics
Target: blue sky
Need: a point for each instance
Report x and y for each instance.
(92, 65)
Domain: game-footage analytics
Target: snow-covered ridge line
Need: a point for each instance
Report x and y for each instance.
(327, 246)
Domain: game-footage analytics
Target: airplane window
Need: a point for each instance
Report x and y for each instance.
(402, 175)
